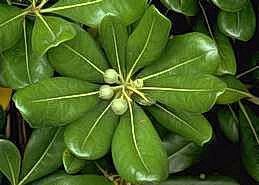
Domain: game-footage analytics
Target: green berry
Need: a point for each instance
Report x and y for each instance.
(106, 92)
(110, 76)
(119, 106)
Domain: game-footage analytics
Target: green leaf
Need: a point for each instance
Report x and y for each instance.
(136, 140)
(148, 40)
(56, 101)
(10, 161)
(11, 19)
(227, 63)
(186, 7)
(90, 137)
(254, 66)
(211, 180)
(181, 153)
(43, 154)
(71, 163)
(239, 25)
(20, 66)
(62, 179)
(91, 12)
(249, 132)
(192, 126)
(114, 38)
(235, 90)
(181, 57)
(80, 58)
(49, 32)
(230, 5)
(229, 123)
(185, 92)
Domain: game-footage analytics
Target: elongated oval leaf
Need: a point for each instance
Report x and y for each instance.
(194, 127)
(240, 25)
(235, 90)
(230, 5)
(148, 40)
(181, 57)
(21, 66)
(90, 137)
(56, 101)
(10, 161)
(211, 180)
(136, 140)
(114, 37)
(91, 12)
(185, 92)
(79, 58)
(43, 154)
(62, 179)
(186, 7)
(227, 63)
(71, 163)
(229, 123)
(49, 32)
(249, 131)
(181, 153)
(11, 19)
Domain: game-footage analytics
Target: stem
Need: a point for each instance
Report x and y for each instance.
(138, 93)
(207, 20)
(43, 2)
(247, 71)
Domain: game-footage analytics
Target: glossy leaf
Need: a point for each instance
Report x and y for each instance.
(136, 140)
(11, 19)
(186, 7)
(56, 101)
(49, 32)
(79, 58)
(230, 5)
(21, 66)
(90, 137)
(192, 126)
(5, 97)
(185, 92)
(181, 57)
(114, 38)
(182, 153)
(148, 40)
(229, 123)
(235, 90)
(239, 25)
(91, 12)
(71, 163)
(211, 180)
(249, 131)
(10, 161)
(62, 179)
(43, 154)
(227, 64)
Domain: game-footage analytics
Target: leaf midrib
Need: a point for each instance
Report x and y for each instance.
(41, 158)
(11, 169)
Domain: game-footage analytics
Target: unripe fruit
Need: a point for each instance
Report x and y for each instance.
(106, 92)
(110, 76)
(119, 106)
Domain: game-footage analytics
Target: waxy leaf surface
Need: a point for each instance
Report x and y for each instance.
(186, 7)
(43, 154)
(192, 126)
(49, 32)
(71, 163)
(20, 66)
(90, 137)
(80, 58)
(10, 161)
(240, 25)
(91, 12)
(136, 140)
(230, 5)
(56, 101)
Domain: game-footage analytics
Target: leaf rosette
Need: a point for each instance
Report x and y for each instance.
(105, 98)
